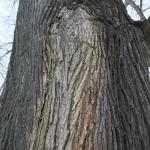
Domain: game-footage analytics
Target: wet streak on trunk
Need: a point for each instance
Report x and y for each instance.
(77, 79)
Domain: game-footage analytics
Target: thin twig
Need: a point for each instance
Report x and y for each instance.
(5, 44)
(137, 9)
(146, 9)
(2, 75)
(5, 54)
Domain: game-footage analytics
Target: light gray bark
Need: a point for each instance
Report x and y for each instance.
(77, 79)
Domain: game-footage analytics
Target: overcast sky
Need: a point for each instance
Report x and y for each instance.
(8, 10)
(132, 12)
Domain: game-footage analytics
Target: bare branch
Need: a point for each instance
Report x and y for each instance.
(5, 44)
(1, 74)
(137, 9)
(146, 9)
(141, 4)
(1, 57)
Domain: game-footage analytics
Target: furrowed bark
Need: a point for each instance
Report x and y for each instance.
(77, 79)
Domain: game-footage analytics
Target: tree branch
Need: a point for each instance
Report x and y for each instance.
(137, 8)
(141, 4)
(1, 57)
(146, 9)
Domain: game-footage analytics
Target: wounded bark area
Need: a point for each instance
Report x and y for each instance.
(99, 90)
(77, 79)
(75, 42)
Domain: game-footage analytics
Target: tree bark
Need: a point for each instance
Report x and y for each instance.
(77, 79)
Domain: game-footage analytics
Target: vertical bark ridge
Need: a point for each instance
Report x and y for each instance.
(77, 74)
(131, 105)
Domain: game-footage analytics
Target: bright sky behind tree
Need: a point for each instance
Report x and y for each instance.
(8, 11)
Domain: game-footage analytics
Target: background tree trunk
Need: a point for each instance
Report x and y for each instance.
(77, 79)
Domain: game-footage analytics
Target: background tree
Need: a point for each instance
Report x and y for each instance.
(77, 79)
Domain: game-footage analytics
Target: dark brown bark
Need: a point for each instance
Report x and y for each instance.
(77, 79)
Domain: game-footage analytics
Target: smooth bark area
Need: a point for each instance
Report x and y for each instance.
(77, 79)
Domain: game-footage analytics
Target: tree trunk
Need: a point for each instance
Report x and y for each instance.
(77, 79)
